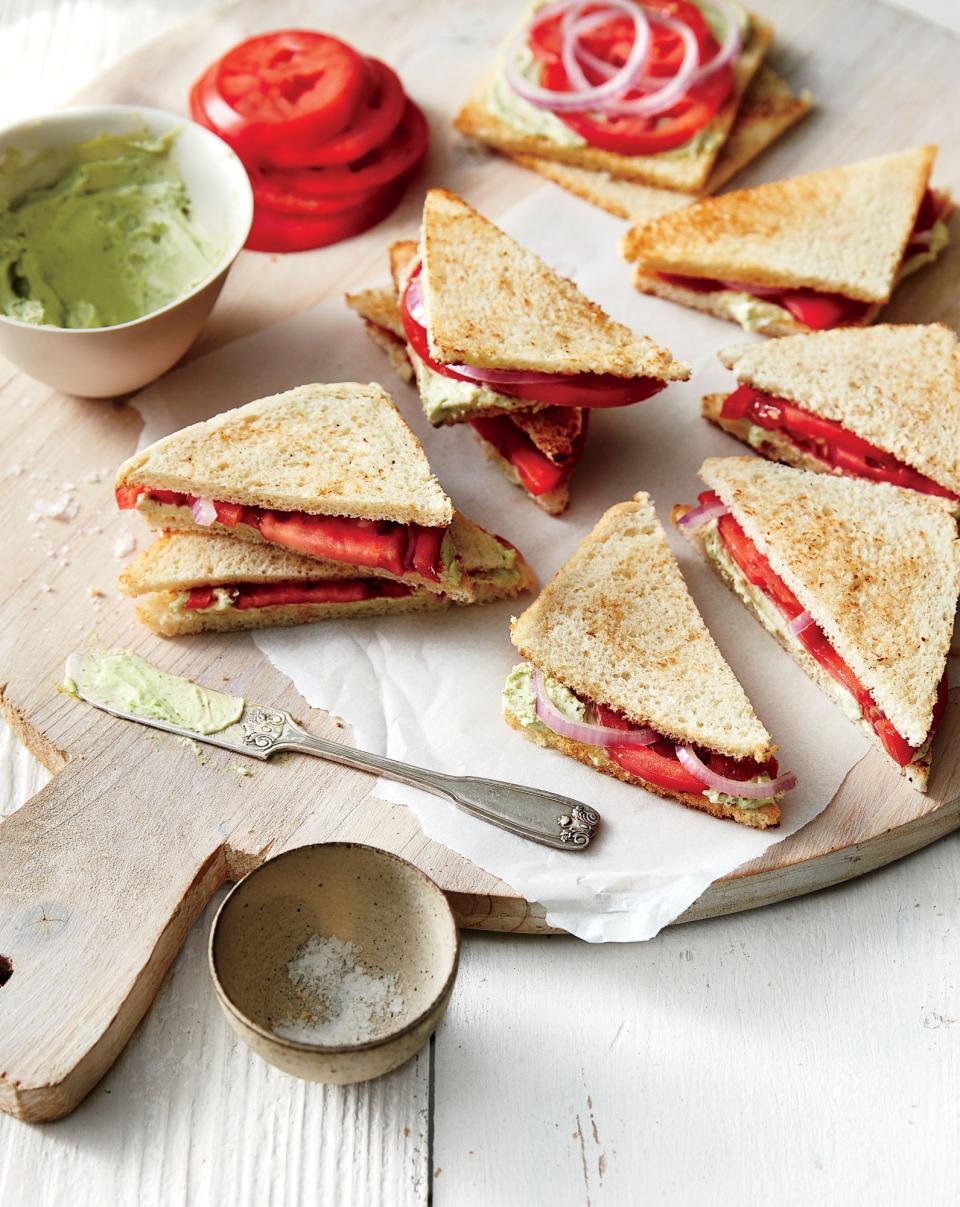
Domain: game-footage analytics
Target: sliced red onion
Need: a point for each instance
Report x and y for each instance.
(799, 623)
(203, 511)
(507, 377)
(415, 302)
(609, 97)
(748, 789)
(921, 238)
(758, 291)
(665, 97)
(701, 515)
(582, 731)
(584, 99)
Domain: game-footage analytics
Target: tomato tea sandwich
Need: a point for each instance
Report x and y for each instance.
(857, 580)
(647, 92)
(881, 403)
(621, 673)
(805, 254)
(331, 472)
(768, 110)
(496, 338)
(537, 449)
(194, 583)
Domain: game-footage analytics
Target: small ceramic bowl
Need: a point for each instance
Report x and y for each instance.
(102, 362)
(329, 895)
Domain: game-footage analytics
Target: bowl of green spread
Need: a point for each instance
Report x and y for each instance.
(118, 226)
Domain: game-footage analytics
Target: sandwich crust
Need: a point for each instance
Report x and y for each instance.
(686, 173)
(487, 299)
(768, 110)
(340, 449)
(616, 624)
(877, 567)
(840, 230)
(896, 386)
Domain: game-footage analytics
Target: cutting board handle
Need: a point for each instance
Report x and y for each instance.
(101, 876)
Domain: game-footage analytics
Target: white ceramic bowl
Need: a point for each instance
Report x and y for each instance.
(102, 362)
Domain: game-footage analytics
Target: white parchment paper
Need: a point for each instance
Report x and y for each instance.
(426, 689)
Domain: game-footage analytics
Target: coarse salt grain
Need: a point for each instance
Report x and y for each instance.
(342, 1000)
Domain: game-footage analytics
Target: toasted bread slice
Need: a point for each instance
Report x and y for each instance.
(616, 625)
(841, 230)
(381, 320)
(769, 109)
(493, 569)
(897, 387)
(491, 303)
(877, 567)
(322, 449)
(686, 168)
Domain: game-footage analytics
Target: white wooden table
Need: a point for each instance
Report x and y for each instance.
(806, 1054)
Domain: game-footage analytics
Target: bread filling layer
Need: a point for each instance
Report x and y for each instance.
(751, 577)
(826, 440)
(656, 764)
(243, 596)
(398, 549)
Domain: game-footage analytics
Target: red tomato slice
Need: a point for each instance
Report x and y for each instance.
(290, 89)
(759, 572)
(400, 154)
(821, 311)
(127, 496)
(273, 231)
(229, 514)
(373, 123)
(278, 595)
(198, 598)
(612, 43)
(585, 390)
(357, 542)
(826, 440)
(537, 472)
(424, 551)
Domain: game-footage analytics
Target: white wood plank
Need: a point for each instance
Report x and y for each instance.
(806, 1053)
(187, 1115)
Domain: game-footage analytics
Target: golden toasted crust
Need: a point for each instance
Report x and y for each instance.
(917, 772)
(485, 299)
(840, 230)
(877, 567)
(616, 624)
(686, 173)
(555, 431)
(760, 819)
(896, 386)
(769, 109)
(323, 449)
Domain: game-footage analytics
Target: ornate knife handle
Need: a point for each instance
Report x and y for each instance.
(557, 821)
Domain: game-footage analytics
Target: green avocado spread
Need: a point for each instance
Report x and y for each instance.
(115, 679)
(97, 234)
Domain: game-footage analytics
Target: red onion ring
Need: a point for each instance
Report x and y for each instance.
(415, 301)
(758, 291)
(801, 622)
(203, 512)
(721, 783)
(580, 101)
(582, 731)
(507, 377)
(701, 515)
(608, 97)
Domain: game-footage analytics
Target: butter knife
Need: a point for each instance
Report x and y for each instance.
(545, 817)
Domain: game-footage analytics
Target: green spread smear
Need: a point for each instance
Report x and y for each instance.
(97, 234)
(116, 679)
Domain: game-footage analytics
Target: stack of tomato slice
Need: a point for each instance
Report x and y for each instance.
(329, 138)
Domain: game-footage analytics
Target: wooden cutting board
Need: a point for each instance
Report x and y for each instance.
(103, 872)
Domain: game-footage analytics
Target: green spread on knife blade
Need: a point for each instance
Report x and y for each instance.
(97, 234)
(122, 681)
